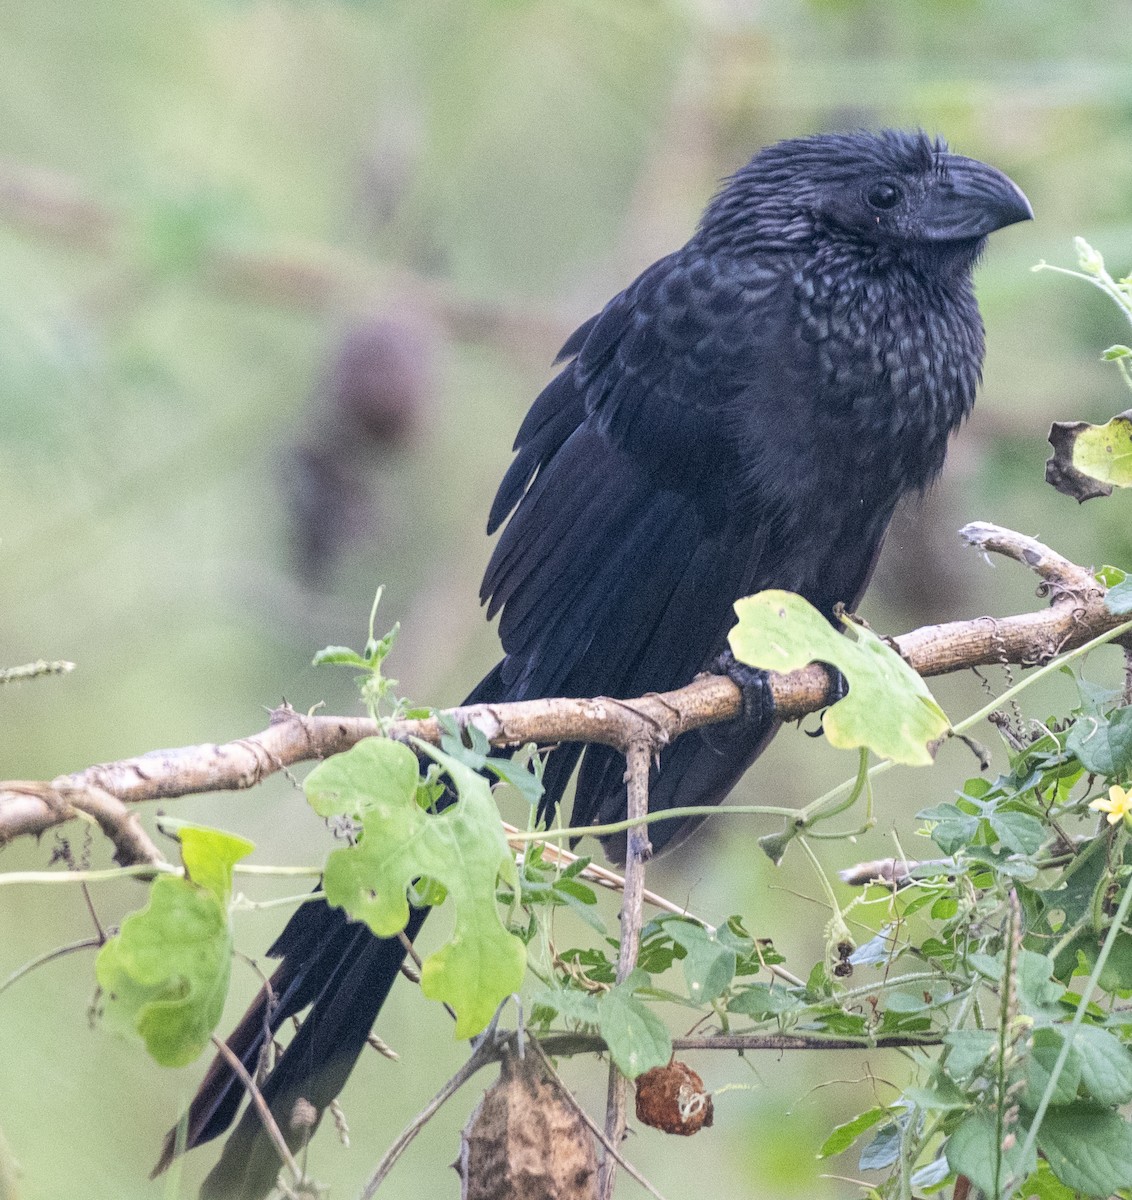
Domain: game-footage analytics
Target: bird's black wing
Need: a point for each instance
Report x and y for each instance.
(641, 521)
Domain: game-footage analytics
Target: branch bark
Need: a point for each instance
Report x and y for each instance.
(1075, 615)
(637, 852)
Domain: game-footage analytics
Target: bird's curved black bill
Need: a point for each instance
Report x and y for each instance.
(973, 200)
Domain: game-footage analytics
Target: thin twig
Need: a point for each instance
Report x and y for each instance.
(565, 1044)
(93, 912)
(486, 1051)
(605, 878)
(638, 849)
(265, 1114)
(50, 956)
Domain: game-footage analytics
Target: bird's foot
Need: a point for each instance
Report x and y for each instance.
(756, 705)
(838, 685)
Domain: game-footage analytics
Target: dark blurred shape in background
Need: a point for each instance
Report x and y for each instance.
(372, 403)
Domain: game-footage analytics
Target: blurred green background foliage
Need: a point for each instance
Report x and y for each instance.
(278, 279)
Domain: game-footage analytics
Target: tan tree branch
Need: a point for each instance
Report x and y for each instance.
(1075, 615)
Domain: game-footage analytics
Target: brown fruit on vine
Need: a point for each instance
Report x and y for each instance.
(673, 1099)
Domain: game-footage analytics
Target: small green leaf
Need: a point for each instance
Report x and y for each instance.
(930, 1175)
(760, 1000)
(1114, 352)
(883, 1150)
(942, 1096)
(908, 1000)
(1018, 832)
(1038, 993)
(209, 856)
(968, 1049)
(974, 1150)
(1106, 1065)
(1118, 598)
(462, 848)
(1089, 1150)
(1045, 1185)
(1103, 747)
(987, 965)
(340, 655)
(1045, 1050)
(845, 1135)
(165, 974)
(637, 1038)
(888, 709)
(708, 965)
(572, 1004)
(836, 1020)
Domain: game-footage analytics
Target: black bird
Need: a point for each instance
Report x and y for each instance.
(745, 415)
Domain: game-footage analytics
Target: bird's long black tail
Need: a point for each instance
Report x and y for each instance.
(343, 972)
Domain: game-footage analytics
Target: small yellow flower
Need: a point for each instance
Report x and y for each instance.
(1118, 805)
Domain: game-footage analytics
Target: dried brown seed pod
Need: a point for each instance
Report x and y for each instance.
(526, 1141)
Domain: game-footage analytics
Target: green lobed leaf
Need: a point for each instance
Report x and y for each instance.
(974, 1149)
(376, 770)
(462, 848)
(165, 975)
(888, 709)
(638, 1039)
(1088, 1149)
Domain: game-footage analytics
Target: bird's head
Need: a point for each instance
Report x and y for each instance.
(892, 188)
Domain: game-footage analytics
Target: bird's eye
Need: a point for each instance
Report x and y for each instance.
(884, 196)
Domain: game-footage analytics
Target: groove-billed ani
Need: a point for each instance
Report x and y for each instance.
(745, 415)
